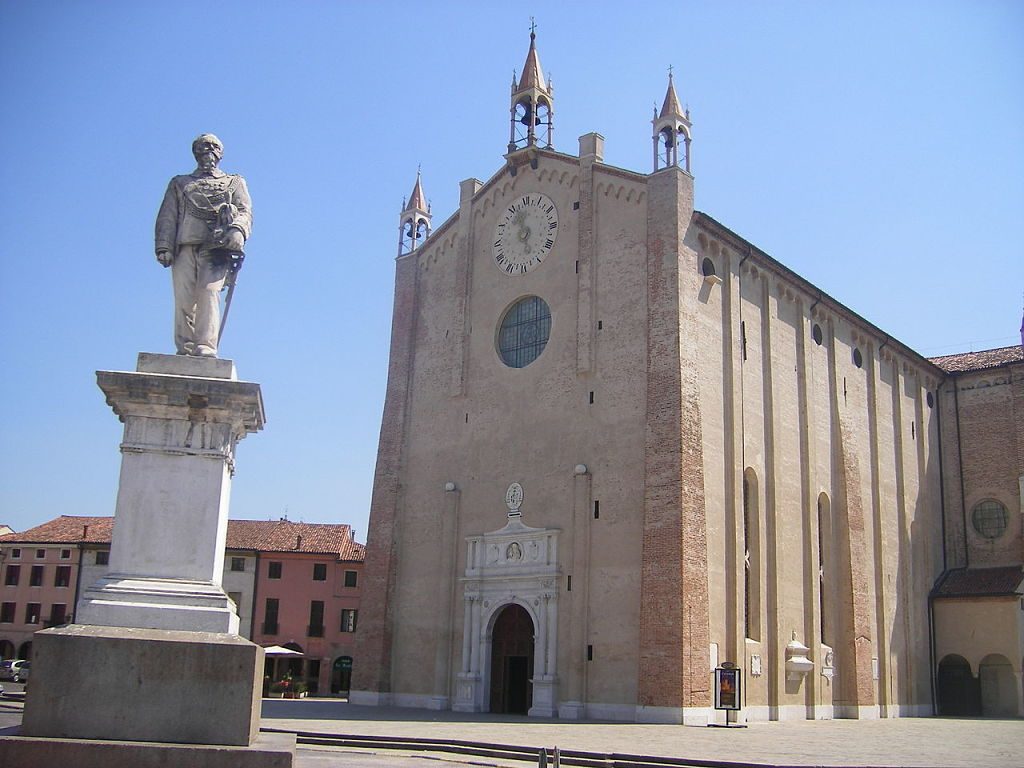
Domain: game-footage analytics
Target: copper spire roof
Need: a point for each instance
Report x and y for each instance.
(533, 76)
(416, 199)
(671, 105)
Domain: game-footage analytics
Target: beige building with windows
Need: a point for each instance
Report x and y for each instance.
(622, 446)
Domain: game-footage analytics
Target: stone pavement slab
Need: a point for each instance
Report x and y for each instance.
(895, 743)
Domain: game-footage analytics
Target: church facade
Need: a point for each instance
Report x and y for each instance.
(622, 447)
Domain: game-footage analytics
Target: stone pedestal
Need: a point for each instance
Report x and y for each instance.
(183, 417)
(155, 658)
(144, 685)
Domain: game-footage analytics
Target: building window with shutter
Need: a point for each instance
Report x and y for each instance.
(348, 620)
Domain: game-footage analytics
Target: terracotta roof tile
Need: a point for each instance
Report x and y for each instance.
(981, 582)
(980, 361)
(66, 529)
(260, 535)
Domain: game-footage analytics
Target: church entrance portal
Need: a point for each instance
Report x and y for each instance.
(512, 661)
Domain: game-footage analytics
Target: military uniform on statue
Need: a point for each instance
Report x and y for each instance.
(202, 226)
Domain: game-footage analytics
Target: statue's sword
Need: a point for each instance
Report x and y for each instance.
(236, 264)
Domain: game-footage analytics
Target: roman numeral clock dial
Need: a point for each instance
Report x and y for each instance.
(525, 233)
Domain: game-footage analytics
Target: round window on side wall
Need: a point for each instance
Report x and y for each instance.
(523, 332)
(858, 358)
(990, 519)
(817, 335)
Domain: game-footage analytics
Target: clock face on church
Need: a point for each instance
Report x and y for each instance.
(525, 233)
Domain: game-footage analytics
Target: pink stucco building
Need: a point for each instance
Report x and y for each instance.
(294, 584)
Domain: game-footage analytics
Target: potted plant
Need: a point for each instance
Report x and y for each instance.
(283, 688)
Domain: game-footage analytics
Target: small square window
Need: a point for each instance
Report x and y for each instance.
(65, 554)
(350, 578)
(103, 557)
(40, 554)
(15, 553)
(274, 569)
(319, 571)
(237, 563)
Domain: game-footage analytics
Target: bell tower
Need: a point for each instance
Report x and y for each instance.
(671, 127)
(532, 104)
(415, 220)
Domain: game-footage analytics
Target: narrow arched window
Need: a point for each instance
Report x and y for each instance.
(751, 558)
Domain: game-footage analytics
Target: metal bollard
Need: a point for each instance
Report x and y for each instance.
(542, 759)
(556, 761)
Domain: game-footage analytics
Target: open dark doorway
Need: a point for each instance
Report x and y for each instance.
(512, 661)
(341, 675)
(959, 690)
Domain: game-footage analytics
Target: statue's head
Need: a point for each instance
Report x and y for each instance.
(208, 152)
(207, 142)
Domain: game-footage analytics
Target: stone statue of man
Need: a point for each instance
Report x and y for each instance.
(201, 229)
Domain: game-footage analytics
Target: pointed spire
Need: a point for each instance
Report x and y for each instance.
(671, 104)
(533, 75)
(417, 200)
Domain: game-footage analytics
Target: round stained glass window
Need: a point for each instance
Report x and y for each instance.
(524, 332)
(990, 519)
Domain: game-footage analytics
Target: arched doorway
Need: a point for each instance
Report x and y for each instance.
(25, 651)
(998, 686)
(512, 661)
(959, 691)
(341, 675)
(6, 649)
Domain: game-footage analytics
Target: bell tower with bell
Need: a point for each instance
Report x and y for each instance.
(532, 104)
(671, 127)
(415, 220)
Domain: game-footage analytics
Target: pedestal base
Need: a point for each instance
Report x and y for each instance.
(270, 750)
(544, 689)
(132, 601)
(468, 694)
(144, 685)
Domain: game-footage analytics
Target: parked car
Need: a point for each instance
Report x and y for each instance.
(10, 668)
(21, 673)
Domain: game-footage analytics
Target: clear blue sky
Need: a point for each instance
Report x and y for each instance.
(876, 148)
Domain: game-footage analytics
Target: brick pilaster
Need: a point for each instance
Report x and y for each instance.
(674, 620)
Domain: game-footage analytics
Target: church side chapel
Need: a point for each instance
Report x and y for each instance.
(622, 446)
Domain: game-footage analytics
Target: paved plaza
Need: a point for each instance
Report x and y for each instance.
(906, 742)
(917, 742)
